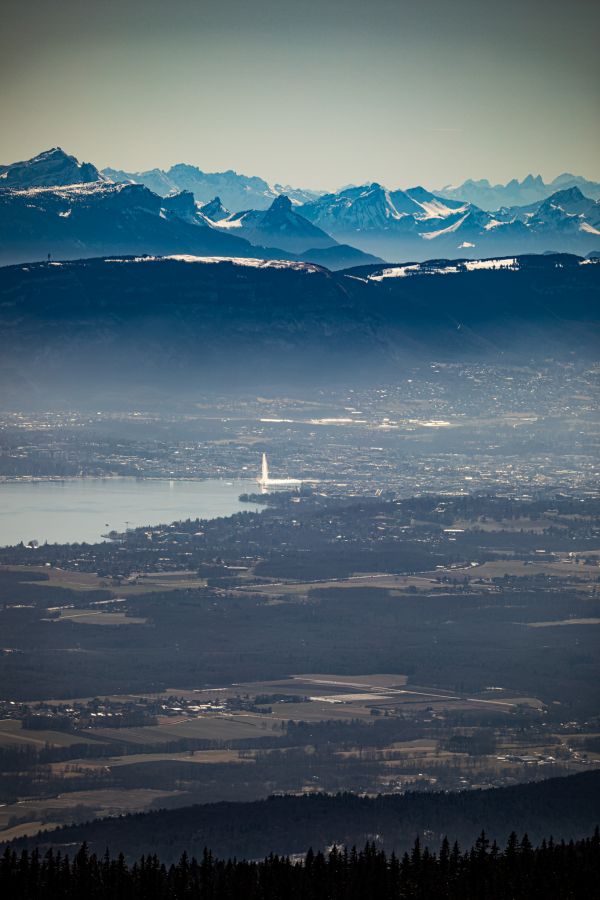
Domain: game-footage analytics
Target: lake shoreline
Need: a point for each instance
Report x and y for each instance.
(85, 509)
(58, 479)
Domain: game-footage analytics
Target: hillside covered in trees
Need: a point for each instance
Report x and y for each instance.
(519, 872)
(562, 807)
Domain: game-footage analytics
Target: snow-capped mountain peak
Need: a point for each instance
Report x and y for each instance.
(50, 168)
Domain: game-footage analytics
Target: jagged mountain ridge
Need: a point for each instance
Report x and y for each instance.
(570, 201)
(532, 189)
(238, 192)
(214, 210)
(283, 226)
(280, 225)
(54, 205)
(397, 224)
(383, 224)
(99, 219)
(374, 208)
(102, 218)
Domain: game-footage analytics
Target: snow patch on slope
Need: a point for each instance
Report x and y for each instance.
(249, 262)
(585, 226)
(469, 265)
(473, 265)
(429, 235)
(414, 269)
(435, 209)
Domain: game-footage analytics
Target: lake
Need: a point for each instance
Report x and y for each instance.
(86, 508)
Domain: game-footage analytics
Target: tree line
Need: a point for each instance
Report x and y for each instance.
(562, 871)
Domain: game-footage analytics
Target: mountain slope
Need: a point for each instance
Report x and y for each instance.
(338, 256)
(214, 210)
(416, 224)
(94, 327)
(108, 219)
(280, 225)
(391, 224)
(565, 220)
(568, 210)
(374, 208)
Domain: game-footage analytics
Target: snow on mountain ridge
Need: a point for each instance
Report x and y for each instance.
(374, 208)
(471, 265)
(250, 262)
(49, 168)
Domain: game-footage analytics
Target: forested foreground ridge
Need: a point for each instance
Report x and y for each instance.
(133, 324)
(561, 871)
(564, 807)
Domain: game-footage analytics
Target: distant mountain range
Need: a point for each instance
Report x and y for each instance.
(242, 192)
(420, 225)
(100, 219)
(54, 204)
(238, 192)
(517, 193)
(185, 324)
(412, 223)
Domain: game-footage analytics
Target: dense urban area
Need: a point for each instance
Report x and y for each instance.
(444, 427)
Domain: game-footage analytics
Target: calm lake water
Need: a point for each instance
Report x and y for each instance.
(85, 509)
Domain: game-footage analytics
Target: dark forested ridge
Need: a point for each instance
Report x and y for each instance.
(562, 871)
(169, 323)
(566, 808)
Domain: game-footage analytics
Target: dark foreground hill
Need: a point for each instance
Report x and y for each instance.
(113, 327)
(564, 871)
(566, 808)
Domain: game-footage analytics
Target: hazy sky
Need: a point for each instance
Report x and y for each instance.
(317, 93)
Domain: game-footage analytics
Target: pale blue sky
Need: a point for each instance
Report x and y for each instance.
(316, 94)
